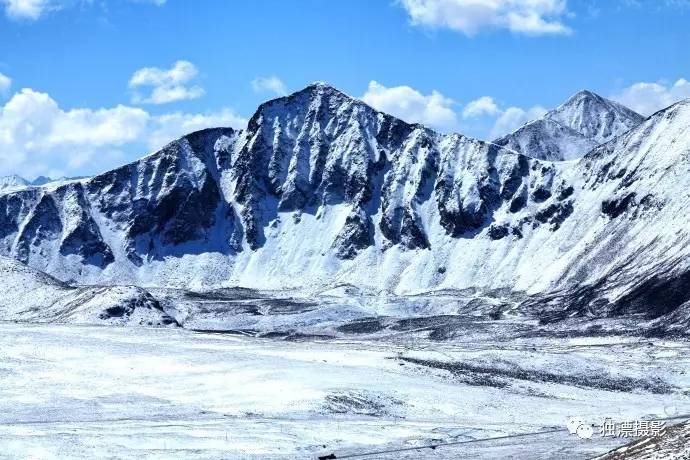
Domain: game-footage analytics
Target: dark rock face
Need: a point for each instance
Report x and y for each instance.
(615, 207)
(43, 225)
(83, 238)
(168, 199)
(497, 232)
(555, 214)
(59, 218)
(357, 234)
(656, 296)
(566, 192)
(541, 194)
(14, 208)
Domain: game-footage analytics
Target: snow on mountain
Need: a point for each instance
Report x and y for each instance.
(42, 180)
(321, 190)
(568, 132)
(548, 140)
(595, 117)
(30, 295)
(12, 182)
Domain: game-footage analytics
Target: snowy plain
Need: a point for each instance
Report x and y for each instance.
(70, 391)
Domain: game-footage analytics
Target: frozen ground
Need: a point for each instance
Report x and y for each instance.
(73, 391)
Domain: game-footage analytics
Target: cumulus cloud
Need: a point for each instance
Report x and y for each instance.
(5, 83)
(434, 110)
(530, 17)
(271, 84)
(166, 85)
(39, 137)
(33, 128)
(646, 98)
(512, 118)
(483, 106)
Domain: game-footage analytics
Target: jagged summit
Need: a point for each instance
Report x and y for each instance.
(316, 95)
(569, 131)
(312, 90)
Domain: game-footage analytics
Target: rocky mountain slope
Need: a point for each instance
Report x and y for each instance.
(30, 295)
(321, 189)
(568, 132)
(674, 444)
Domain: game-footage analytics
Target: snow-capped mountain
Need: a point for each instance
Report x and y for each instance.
(568, 132)
(595, 117)
(321, 189)
(12, 182)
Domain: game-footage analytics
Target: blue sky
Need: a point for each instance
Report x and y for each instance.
(87, 85)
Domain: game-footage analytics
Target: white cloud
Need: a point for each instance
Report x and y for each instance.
(485, 105)
(646, 98)
(35, 131)
(167, 85)
(514, 117)
(531, 17)
(38, 137)
(271, 84)
(31, 10)
(26, 9)
(5, 83)
(170, 126)
(434, 110)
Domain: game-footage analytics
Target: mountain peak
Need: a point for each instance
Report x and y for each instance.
(318, 100)
(584, 94)
(41, 180)
(314, 89)
(589, 100)
(594, 116)
(12, 181)
(571, 130)
(321, 84)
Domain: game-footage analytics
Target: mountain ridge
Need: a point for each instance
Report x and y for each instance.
(322, 189)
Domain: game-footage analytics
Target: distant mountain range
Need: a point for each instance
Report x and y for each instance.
(321, 190)
(15, 182)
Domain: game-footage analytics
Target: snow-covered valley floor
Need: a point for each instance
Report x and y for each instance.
(69, 391)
